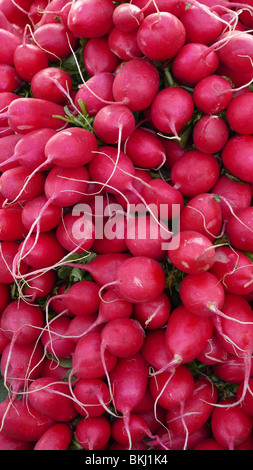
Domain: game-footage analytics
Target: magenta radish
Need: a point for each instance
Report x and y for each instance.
(175, 442)
(200, 26)
(233, 195)
(111, 237)
(46, 84)
(209, 444)
(28, 60)
(230, 424)
(12, 184)
(10, 81)
(53, 398)
(231, 156)
(82, 298)
(81, 325)
(240, 125)
(173, 151)
(193, 252)
(12, 228)
(40, 252)
(145, 149)
(55, 340)
(57, 437)
(26, 114)
(8, 251)
(240, 230)
(232, 368)
(49, 12)
(55, 39)
(100, 18)
(194, 62)
(153, 314)
(171, 6)
(6, 98)
(12, 41)
(96, 92)
(154, 349)
(8, 443)
(138, 429)
(124, 44)
(203, 214)
(76, 234)
(153, 38)
(212, 94)
(21, 322)
(98, 57)
(87, 361)
(122, 337)
(210, 134)
(234, 270)
(127, 17)
(50, 218)
(21, 422)
(195, 173)
(171, 109)
(91, 397)
(7, 147)
(136, 84)
(52, 368)
(39, 286)
(165, 201)
(213, 353)
(93, 433)
(142, 177)
(246, 405)
(197, 410)
(5, 296)
(236, 50)
(113, 123)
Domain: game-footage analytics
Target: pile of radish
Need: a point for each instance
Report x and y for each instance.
(125, 329)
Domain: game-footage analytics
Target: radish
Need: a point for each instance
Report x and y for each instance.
(164, 200)
(233, 195)
(209, 444)
(21, 322)
(98, 57)
(13, 187)
(230, 424)
(113, 123)
(138, 430)
(203, 214)
(28, 60)
(145, 149)
(96, 92)
(7, 147)
(201, 26)
(39, 286)
(241, 102)
(55, 39)
(39, 252)
(194, 62)
(246, 405)
(236, 50)
(80, 325)
(127, 17)
(50, 218)
(153, 38)
(124, 44)
(232, 368)
(12, 228)
(171, 109)
(8, 443)
(212, 94)
(10, 81)
(99, 18)
(136, 84)
(173, 151)
(213, 353)
(82, 298)
(55, 340)
(122, 337)
(91, 397)
(8, 251)
(239, 230)
(171, 6)
(210, 134)
(45, 84)
(73, 234)
(12, 41)
(5, 296)
(53, 398)
(93, 433)
(234, 148)
(57, 437)
(110, 235)
(21, 422)
(195, 172)
(193, 252)
(153, 314)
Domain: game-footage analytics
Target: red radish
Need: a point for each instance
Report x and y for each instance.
(240, 230)
(65, 186)
(165, 201)
(197, 410)
(98, 57)
(240, 103)
(195, 173)
(5, 296)
(124, 44)
(82, 298)
(80, 325)
(100, 18)
(130, 196)
(136, 84)
(233, 195)
(21, 422)
(171, 6)
(19, 364)
(173, 151)
(39, 286)
(110, 236)
(57, 437)
(202, 294)
(7, 25)
(122, 337)
(21, 322)
(96, 92)
(231, 155)
(53, 398)
(138, 430)
(246, 444)
(214, 352)
(139, 279)
(7, 147)
(28, 60)
(185, 348)
(236, 50)
(145, 149)
(209, 444)
(10, 80)
(113, 123)
(55, 40)
(91, 397)
(153, 38)
(75, 233)
(8, 251)
(154, 350)
(12, 228)
(29, 150)
(6, 98)
(193, 252)
(234, 270)
(50, 218)
(48, 14)
(230, 424)
(12, 41)
(203, 214)
(93, 433)
(55, 340)
(8, 443)
(210, 134)
(127, 17)
(246, 405)
(175, 442)
(171, 109)
(26, 114)
(87, 361)
(153, 314)
(12, 184)
(201, 26)
(16, 12)
(46, 84)
(212, 94)
(194, 62)
(231, 369)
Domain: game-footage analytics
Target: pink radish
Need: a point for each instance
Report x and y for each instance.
(96, 92)
(145, 149)
(12, 228)
(171, 6)
(240, 230)
(92, 396)
(8, 251)
(236, 50)
(232, 368)
(212, 94)
(124, 44)
(153, 314)
(12, 41)
(50, 218)
(55, 339)
(231, 156)
(213, 353)
(98, 57)
(164, 200)
(39, 286)
(55, 39)
(94, 433)
(40, 252)
(75, 233)
(154, 350)
(242, 125)
(28, 60)
(210, 134)
(113, 123)
(12, 184)
(127, 17)
(45, 84)
(246, 405)
(137, 431)
(8, 443)
(122, 337)
(82, 298)
(21, 322)
(100, 18)
(233, 195)
(7, 148)
(10, 81)
(57, 437)
(5, 296)
(200, 26)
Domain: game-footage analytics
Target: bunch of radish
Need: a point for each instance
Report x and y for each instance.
(125, 329)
